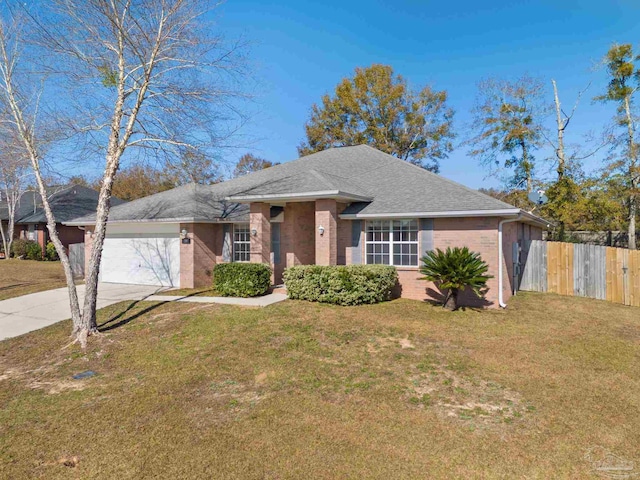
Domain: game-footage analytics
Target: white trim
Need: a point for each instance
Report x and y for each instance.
(391, 243)
(512, 212)
(298, 197)
(235, 226)
(449, 213)
(148, 220)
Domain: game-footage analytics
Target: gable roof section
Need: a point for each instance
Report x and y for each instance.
(310, 184)
(188, 203)
(67, 202)
(376, 184)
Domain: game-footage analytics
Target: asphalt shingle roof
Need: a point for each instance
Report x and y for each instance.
(67, 202)
(394, 186)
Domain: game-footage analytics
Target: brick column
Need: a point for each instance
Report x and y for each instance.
(259, 220)
(327, 243)
(187, 263)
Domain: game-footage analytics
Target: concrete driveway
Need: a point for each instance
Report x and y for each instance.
(30, 312)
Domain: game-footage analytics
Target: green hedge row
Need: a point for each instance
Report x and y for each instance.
(26, 249)
(341, 285)
(241, 279)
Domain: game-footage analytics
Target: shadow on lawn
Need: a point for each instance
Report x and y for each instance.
(122, 319)
(16, 285)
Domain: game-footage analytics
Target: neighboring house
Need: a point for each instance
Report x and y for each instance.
(350, 205)
(67, 202)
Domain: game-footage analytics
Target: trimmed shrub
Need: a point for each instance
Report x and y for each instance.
(26, 249)
(51, 253)
(34, 251)
(241, 279)
(341, 285)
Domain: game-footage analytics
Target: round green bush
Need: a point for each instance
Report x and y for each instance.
(51, 253)
(241, 279)
(34, 251)
(341, 285)
(26, 249)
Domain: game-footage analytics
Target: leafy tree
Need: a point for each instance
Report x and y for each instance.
(624, 79)
(507, 127)
(250, 163)
(377, 107)
(455, 270)
(79, 180)
(139, 181)
(192, 167)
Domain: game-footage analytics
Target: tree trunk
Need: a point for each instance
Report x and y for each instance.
(633, 161)
(5, 247)
(88, 324)
(561, 126)
(525, 166)
(451, 302)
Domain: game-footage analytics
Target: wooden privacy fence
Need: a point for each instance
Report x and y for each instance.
(605, 273)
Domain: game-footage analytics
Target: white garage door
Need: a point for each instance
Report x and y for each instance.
(142, 254)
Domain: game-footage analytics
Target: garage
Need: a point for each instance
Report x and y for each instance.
(142, 254)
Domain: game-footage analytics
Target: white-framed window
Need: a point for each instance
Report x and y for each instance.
(241, 242)
(392, 242)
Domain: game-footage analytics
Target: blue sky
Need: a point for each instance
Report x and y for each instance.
(302, 49)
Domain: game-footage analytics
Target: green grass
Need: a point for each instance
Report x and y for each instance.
(21, 277)
(300, 390)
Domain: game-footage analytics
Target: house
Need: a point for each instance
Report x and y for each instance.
(349, 205)
(67, 202)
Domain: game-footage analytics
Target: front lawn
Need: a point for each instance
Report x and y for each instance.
(299, 390)
(20, 277)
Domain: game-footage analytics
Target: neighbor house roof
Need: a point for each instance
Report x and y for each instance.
(374, 183)
(67, 202)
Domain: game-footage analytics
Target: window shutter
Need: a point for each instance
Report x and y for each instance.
(425, 236)
(356, 247)
(226, 245)
(275, 242)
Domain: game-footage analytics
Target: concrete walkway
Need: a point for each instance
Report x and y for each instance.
(263, 301)
(24, 314)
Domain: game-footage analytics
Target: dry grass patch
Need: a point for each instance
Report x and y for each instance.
(300, 390)
(191, 292)
(21, 277)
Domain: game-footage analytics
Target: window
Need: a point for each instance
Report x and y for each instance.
(241, 242)
(392, 242)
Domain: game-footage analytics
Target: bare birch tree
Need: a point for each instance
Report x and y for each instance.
(14, 173)
(145, 73)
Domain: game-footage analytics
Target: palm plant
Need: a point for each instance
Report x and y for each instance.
(455, 270)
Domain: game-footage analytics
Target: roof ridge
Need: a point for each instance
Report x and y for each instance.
(433, 174)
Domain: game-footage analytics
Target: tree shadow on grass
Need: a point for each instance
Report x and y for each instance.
(16, 285)
(121, 318)
(127, 315)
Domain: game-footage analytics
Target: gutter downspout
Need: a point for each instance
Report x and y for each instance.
(500, 254)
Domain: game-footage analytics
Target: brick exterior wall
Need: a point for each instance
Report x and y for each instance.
(297, 237)
(344, 238)
(259, 220)
(326, 215)
(198, 257)
(68, 235)
(479, 234)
